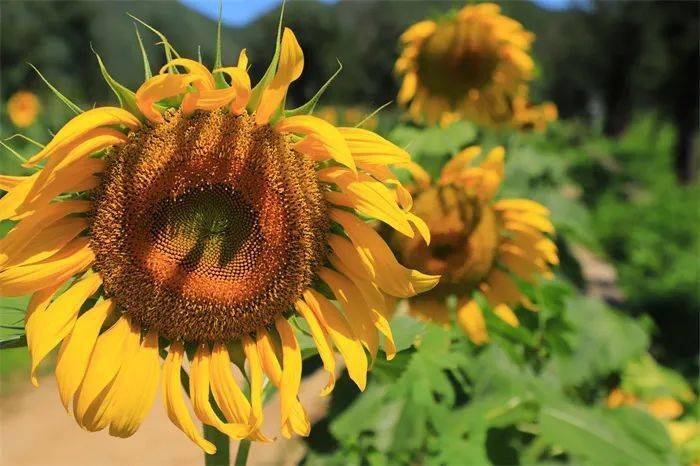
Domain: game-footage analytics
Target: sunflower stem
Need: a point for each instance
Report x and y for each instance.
(242, 453)
(222, 457)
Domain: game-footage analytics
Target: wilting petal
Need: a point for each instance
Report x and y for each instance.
(74, 258)
(206, 81)
(291, 367)
(323, 132)
(323, 345)
(256, 381)
(75, 351)
(161, 87)
(80, 125)
(289, 68)
(174, 401)
(37, 304)
(240, 83)
(337, 327)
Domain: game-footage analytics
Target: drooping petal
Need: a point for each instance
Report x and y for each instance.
(205, 81)
(506, 314)
(323, 344)
(160, 87)
(174, 401)
(291, 367)
(356, 310)
(72, 361)
(255, 378)
(392, 277)
(289, 68)
(240, 84)
(48, 242)
(337, 327)
(37, 304)
(368, 147)
(129, 406)
(57, 320)
(323, 132)
(73, 258)
(9, 182)
(228, 395)
(80, 125)
(115, 346)
(27, 229)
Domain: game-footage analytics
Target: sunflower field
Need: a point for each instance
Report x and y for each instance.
(367, 232)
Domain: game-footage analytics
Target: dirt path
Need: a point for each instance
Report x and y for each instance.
(36, 431)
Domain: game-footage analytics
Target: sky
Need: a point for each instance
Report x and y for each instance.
(242, 12)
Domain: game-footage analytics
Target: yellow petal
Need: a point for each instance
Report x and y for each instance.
(11, 202)
(255, 378)
(518, 262)
(115, 346)
(506, 314)
(27, 229)
(458, 163)
(419, 31)
(369, 147)
(8, 182)
(37, 304)
(242, 60)
(80, 125)
(75, 351)
(57, 320)
(323, 132)
(323, 345)
(174, 401)
(227, 393)
(369, 197)
(531, 219)
(48, 242)
(291, 369)
(356, 310)
(129, 406)
(199, 394)
(160, 87)
(240, 83)
(206, 80)
(408, 88)
(470, 318)
(500, 288)
(73, 258)
(289, 68)
(525, 205)
(391, 276)
(337, 327)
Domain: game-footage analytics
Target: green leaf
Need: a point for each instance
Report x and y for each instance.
(308, 107)
(127, 99)
(257, 91)
(74, 108)
(591, 434)
(219, 78)
(169, 50)
(405, 330)
(17, 341)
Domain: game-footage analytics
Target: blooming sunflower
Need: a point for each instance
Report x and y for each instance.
(478, 243)
(203, 222)
(22, 108)
(469, 64)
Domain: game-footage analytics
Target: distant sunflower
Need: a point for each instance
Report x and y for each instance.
(527, 116)
(22, 108)
(469, 65)
(205, 223)
(478, 243)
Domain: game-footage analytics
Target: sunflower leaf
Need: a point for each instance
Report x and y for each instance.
(15, 341)
(127, 99)
(308, 107)
(77, 110)
(257, 91)
(144, 56)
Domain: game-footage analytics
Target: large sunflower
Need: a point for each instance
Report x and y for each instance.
(205, 222)
(469, 64)
(478, 243)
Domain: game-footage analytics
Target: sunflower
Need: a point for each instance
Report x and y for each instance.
(528, 116)
(469, 64)
(478, 243)
(203, 222)
(22, 108)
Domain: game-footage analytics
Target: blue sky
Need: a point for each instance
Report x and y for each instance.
(241, 12)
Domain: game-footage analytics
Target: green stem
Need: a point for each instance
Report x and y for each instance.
(242, 454)
(222, 457)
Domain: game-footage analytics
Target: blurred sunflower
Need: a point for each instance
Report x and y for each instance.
(469, 64)
(205, 223)
(478, 243)
(22, 108)
(528, 116)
